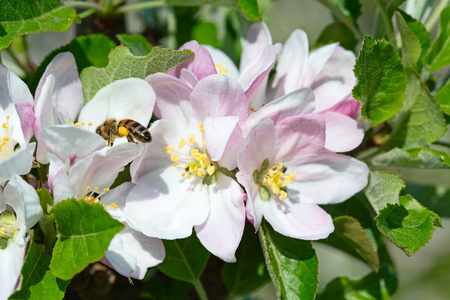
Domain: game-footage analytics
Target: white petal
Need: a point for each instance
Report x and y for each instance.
(218, 131)
(19, 163)
(43, 107)
(131, 98)
(316, 62)
(131, 253)
(342, 132)
(11, 262)
(258, 37)
(165, 205)
(222, 231)
(117, 196)
(58, 181)
(70, 142)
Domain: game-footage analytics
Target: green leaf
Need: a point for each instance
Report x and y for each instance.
(19, 17)
(439, 55)
(350, 8)
(91, 50)
(85, 231)
(408, 224)
(350, 237)
(37, 280)
(381, 82)
(422, 158)
(248, 8)
(374, 286)
(443, 98)
(292, 264)
(384, 188)
(185, 259)
(337, 32)
(420, 121)
(249, 272)
(205, 33)
(45, 199)
(434, 198)
(411, 46)
(138, 45)
(123, 64)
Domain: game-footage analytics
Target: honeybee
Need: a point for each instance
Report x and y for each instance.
(132, 130)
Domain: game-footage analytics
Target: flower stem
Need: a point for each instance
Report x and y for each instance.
(442, 143)
(200, 290)
(140, 6)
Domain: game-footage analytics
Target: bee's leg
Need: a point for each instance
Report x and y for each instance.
(110, 139)
(131, 139)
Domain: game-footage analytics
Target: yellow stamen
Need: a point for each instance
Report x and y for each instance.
(210, 169)
(175, 157)
(113, 205)
(222, 70)
(96, 189)
(90, 123)
(192, 139)
(88, 188)
(182, 143)
(201, 127)
(77, 124)
(168, 149)
(7, 117)
(82, 123)
(2, 230)
(176, 163)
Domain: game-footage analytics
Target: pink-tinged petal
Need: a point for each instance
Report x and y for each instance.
(218, 131)
(11, 262)
(254, 80)
(23, 198)
(349, 107)
(58, 181)
(253, 207)
(329, 178)
(165, 133)
(117, 196)
(69, 142)
(13, 124)
(304, 221)
(258, 37)
(131, 98)
(19, 163)
(316, 62)
(189, 78)
(43, 108)
(342, 133)
(100, 169)
(170, 93)
(299, 102)
(330, 94)
(131, 253)
(202, 64)
(165, 205)
(224, 64)
(222, 231)
(23, 101)
(292, 64)
(339, 67)
(67, 94)
(261, 143)
(300, 136)
(218, 96)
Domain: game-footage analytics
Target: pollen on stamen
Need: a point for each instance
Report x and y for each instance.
(192, 139)
(90, 124)
(176, 164)
(82, 123)
(175, 157)
(169, 149)
(88, 188)
(113, 205)
(252, 109)
(76, 124)
(2, 230)
(182, 143)
(183, 174)
(96, 188)
(106, 190)
(201, 127)
(4, 125)
(7, 117)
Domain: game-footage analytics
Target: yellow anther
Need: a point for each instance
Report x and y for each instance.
(106, 190)
(189, 176)
(192, 139)
(176, 164)
(182, 143)
(123, 131)
(168, 149)
(7, 117)
(90, 123)
(276, 180)
(283, 195)
(82, 123)
(201, 127)
(183, 174)
(77, 124)
(210, 169)
(113, 205)
(96, 189)
(4, 125)
(204, 143)
(222, 70)
(175, 157)
(88, 188)
(2, 230)
(6, 139)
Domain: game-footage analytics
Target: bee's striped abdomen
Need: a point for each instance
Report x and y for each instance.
(136, 130)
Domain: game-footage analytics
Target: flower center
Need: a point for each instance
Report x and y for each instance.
(273, 180)
(93, 196)
(7, 228)
(221, 70)
(193, 158)
(6, 143)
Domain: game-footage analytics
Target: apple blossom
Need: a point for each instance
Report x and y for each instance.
(287, 171)
(179, 179)
(16, 153)
(21, 210)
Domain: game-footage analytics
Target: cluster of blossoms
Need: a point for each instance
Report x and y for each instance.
(229, 144)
